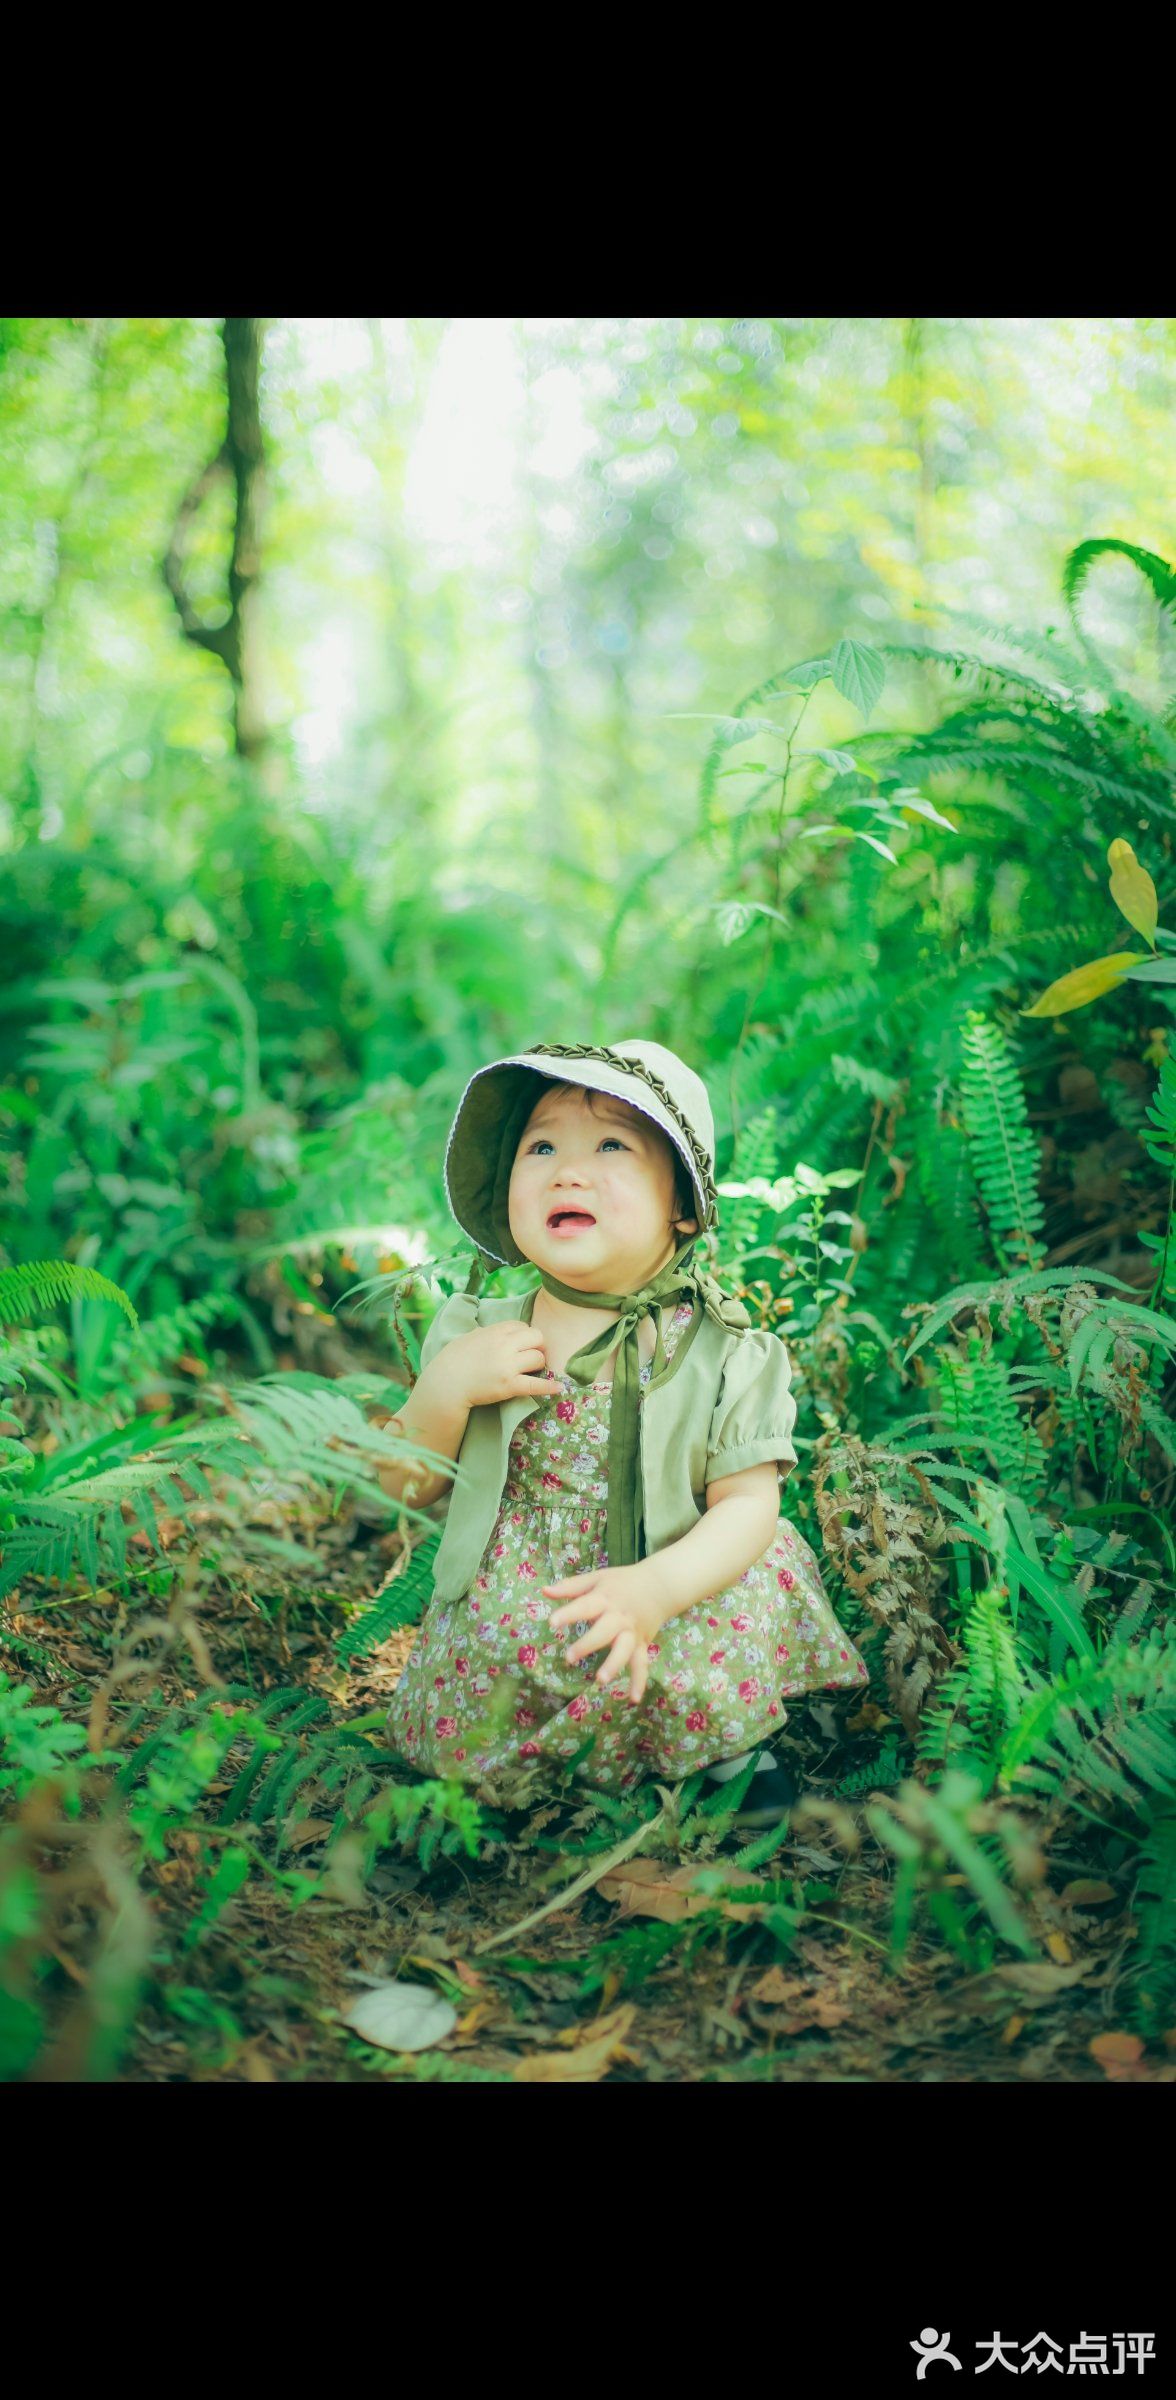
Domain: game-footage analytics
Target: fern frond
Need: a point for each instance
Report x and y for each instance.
(41, 1283)
(1008, 760)
(942, 1167)
(1006, 1157)
(1080, 672)
(1077, 1732)
(1161, 1113)
(982, 671)
(978, 1391)
(1155, 571)
(1150, 1977)
(401, 1599)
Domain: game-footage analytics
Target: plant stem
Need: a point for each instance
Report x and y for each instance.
(582, 1883)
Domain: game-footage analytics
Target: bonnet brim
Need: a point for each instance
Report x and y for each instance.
(499, 1098)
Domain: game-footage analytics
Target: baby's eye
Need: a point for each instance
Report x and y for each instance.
(541, 1142)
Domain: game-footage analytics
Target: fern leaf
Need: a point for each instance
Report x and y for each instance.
(1006, 1157)
(400, 1600)
(42, 1283)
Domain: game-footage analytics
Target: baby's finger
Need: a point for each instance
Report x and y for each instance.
(577, 1612)
(603, 1632)
(621, 1652)
(587, 1604)
(639, 1674)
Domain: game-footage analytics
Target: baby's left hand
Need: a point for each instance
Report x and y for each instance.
(625, 1610)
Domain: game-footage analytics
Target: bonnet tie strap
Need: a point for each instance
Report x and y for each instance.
(626, 1510)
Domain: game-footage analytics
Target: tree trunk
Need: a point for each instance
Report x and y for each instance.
(915, 409)
(241, 456)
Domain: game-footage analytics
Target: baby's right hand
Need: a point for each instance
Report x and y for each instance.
(495, 1362)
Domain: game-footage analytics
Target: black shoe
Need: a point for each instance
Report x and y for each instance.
(769, 1796)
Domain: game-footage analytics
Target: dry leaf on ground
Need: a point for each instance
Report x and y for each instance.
(400, 2016)
(590, 2052)
(644, 1887)
(1037, 1979)
(1117, 2049)
(308, 1830)
(810, 2005)
(1120, 2055)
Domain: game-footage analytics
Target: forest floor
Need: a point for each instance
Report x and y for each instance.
(638, 1979)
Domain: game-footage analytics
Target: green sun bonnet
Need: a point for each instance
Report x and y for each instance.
(479, 1155)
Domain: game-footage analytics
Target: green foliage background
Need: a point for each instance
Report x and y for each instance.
(744, 685)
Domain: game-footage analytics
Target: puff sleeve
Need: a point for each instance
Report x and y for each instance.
(457, 1314)
(755, 1411)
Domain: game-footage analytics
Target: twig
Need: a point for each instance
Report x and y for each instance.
(583, 1883)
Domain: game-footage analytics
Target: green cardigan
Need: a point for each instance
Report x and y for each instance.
(723, 1403)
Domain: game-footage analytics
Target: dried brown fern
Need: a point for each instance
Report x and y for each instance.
(884, 1536)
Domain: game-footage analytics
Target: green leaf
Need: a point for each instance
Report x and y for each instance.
(1086, 983)
(1058, 1604)
(734, 916)
(876, 843)
(1153, 970)
(842, 762)
(993, 1895)
(803, 678)
(905, 798)
(1092, 1329)
(858, 674)
(1132, 890)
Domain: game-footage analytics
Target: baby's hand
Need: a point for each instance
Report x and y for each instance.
(495, 1362)
(624, 1608)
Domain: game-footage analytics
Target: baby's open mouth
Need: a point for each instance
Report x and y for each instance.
(568, 1217)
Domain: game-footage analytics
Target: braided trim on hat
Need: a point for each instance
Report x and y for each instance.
(637, 1066)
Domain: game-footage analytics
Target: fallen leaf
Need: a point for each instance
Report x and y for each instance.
(825, 2010)
(1116, 2049)
(595, 2048)
(1059, 1948)
(643, 1888)
(811, 2004)
(823, 1716)
(1012, 2029)
(400, 2016)
(776, 1989)
(869, 1718)
(255, 2066)
(1084, 1894)
(1034, 1976)
(308, 1830)
(475, 2017)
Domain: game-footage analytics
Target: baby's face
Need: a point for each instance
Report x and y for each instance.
(610, 1171)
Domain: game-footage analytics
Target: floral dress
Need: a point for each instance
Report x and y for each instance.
(488, 1696)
